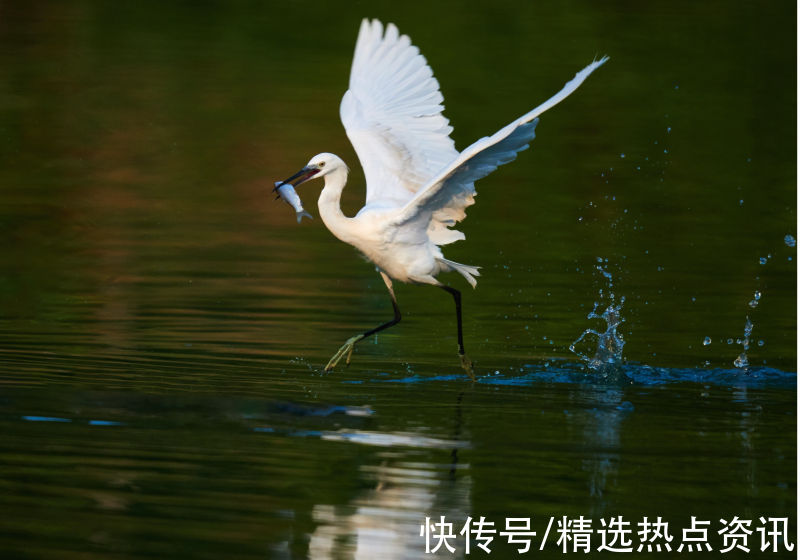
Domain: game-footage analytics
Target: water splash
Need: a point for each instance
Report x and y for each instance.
(610, 342)
(742, 361)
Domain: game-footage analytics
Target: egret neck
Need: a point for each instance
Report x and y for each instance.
(329, 204)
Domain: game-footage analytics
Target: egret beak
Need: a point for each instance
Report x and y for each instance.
(300, 177)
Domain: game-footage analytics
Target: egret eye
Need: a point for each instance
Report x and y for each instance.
(321, 164)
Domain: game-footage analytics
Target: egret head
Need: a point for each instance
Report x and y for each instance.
(318, 166)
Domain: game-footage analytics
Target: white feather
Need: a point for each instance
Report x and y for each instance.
(455, 183)
(392, 116)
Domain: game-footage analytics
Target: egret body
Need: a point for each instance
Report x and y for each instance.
(418, 184)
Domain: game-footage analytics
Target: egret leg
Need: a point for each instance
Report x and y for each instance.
(466, 363)
(346, 351)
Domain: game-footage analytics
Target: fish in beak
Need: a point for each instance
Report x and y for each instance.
(286, 191)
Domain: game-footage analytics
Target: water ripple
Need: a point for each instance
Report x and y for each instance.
(629, 374)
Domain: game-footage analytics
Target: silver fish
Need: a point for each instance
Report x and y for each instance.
(286, 192)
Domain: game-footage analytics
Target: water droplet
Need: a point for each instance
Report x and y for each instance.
(741, 202)
(622, 155)
(730, 341)
(761, 343)
(762, 260)
(666, 151)
(789, 240)
(707, 341)
(669, 129)
(676, 86)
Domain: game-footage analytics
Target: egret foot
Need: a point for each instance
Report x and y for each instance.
(345, 350)
(466, 363)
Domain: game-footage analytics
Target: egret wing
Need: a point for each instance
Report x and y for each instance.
(443, 200)
(392, 115)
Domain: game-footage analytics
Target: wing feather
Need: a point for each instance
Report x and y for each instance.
(392, 113)
(443, 200)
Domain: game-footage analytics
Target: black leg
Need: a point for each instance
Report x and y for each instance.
(347, 349)
(388, 324)
(457, 298)
(466, 363)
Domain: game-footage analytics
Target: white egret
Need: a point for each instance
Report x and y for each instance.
(418, 185)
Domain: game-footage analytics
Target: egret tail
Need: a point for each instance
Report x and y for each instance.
(465, 270)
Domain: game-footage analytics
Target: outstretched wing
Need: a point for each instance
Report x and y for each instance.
(392, 115)
(442, 201)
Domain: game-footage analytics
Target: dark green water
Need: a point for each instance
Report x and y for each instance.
(163, 321)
